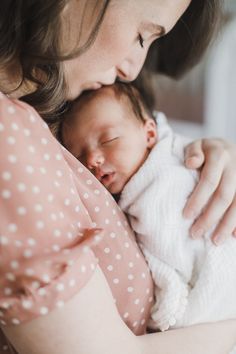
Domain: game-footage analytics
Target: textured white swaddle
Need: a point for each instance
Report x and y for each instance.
(195, 280)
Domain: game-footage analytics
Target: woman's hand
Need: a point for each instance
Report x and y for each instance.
(214, 197)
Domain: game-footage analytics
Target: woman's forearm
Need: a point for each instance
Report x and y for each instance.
(213, 338)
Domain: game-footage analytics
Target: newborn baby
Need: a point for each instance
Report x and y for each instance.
(141, 162)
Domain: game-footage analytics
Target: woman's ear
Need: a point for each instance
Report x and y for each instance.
(151, 132)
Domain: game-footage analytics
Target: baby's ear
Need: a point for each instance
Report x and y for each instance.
(151, 132)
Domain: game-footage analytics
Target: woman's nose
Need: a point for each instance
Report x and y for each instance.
(129, 68)
(94, 160)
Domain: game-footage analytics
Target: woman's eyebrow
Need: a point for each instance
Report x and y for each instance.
(154, 28)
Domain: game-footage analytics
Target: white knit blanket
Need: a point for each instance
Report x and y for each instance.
(195, 280)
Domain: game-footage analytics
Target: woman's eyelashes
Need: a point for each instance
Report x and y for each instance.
(141, 40)
(107, 141)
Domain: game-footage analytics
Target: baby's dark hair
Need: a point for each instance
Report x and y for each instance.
(136, 101)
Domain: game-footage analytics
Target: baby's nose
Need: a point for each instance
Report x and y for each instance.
(94, 160)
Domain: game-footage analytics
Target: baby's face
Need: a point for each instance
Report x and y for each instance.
(109, 140)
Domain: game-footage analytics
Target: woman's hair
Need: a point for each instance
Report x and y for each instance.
(183, 47)
(31, 33)
(30, 38)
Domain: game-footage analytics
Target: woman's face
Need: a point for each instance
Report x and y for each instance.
(120, 49)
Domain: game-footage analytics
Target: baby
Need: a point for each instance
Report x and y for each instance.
(112, 132)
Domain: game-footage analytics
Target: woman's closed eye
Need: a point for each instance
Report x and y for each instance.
(141, 40)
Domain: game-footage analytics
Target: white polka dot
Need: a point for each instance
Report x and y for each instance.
(116, 281)
(6, 194)
(137, 255)
(35, 189)
(143, 321)
(113, 212)
(112, 235)
(43, 310)
(97, 191)
(96, 209)
(60, 287)
(80, 170)
(56, 248)
(4, 240)
(14, 264)
(56, 184)
(150, 299)
(40, 225)
(107, 221)
(44, 141)
(35, 284)
(29, 272)
(89, 181)
(11, 140)
(135, 324)
(46, 278)
(110, 268)
(85, 195)
(21, 187)
(31, 149)
(32, 118)
(53, 216)
(5, 305)
(31, 241)
(77, 208)
(94, 224)
(126, 315)
(72, 282)
(27, 304)
(7, 291)
(107, 250)
(38, 208)
(107, 203)
(118, 256)
(18, 243)
(83, 269)
(42, 292)
(147, 291)
(27, 132)
(60, 304)
(136, 301)
(142, 309)
(12, 228)
(130, 277)
(131, 264)
(14, 126)
(21, 211)
(119, 223)
(1, 127)
(67, 201)
(12, 158)
(126, 245)
(6, 175)
(58, 157)
(11, 109)
(29, 169)
(143, 275)
(3, 323)
(57, 233)
(46, 157)
(130, 289)
(10, 276)
(27, 253)
(15, 321)
(43, 170)
(50, 197)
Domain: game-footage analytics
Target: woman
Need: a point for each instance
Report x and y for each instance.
(58, 220)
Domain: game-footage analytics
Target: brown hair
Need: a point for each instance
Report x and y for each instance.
(30, 33)
(30, 36)
(183, 47)
(136, 102)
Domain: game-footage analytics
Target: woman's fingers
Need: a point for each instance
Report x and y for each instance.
(210, 177)
(215, 194)
(222, 203)
(194, 157)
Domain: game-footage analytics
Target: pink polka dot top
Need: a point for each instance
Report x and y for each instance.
(57, 223)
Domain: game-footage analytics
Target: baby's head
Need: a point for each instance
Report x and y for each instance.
(111, 132)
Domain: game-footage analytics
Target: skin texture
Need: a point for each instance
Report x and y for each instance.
(109, 139)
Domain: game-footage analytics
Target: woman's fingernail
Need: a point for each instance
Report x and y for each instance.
(197, 232)
(218, 239)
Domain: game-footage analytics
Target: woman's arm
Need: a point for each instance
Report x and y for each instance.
(90, 324)
(215, 193)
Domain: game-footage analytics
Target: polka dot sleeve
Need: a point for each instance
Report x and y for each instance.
(45, 231)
